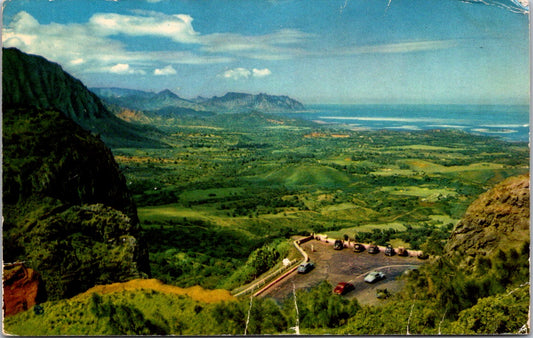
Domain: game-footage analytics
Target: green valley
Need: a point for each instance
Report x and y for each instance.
(174, 218)
(262, 184)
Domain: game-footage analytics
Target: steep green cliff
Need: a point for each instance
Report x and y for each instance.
(33, 81)
(67, 211)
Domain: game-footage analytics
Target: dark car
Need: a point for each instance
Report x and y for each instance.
(373, 249)
(305, 267)
(338, 245)
(403, 252)
(358, 247)
(343, 288)
(423, 255)
(389, 251)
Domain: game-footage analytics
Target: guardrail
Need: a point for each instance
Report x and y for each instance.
(350, 244)
(271, 279)
(262, 281)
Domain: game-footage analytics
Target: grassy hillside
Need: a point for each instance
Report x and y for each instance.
(308, 175)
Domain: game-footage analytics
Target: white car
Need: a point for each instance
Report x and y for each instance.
(305, 267)
(374, 276)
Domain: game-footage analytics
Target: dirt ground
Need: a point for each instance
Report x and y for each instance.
(345, 266)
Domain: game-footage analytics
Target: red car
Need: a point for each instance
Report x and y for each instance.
(343, 288)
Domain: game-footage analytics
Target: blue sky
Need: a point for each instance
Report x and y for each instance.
(317, 51)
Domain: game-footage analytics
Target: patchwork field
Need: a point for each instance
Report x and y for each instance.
(287, 179)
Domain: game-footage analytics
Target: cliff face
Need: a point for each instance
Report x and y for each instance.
(31, 81)
(23, 288)
(66, 208)
(498, 219)
(47, 154)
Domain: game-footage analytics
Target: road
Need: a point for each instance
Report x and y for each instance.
(345, 266)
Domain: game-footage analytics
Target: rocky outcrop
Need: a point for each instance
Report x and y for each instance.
(23, 288)
(498, 219)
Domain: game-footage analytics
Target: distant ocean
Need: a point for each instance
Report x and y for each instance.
(510, 123)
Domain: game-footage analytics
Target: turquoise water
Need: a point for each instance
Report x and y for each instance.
(510, 123)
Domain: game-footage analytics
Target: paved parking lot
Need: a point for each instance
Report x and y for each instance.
(345, 266)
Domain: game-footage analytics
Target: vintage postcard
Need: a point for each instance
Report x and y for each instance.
(269, 167)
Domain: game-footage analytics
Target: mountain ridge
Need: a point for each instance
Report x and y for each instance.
(33, 81)
(230, 102)
(142, 100)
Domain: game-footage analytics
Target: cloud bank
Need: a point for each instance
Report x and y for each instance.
(96, 46)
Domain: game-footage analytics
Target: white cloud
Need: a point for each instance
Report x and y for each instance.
(93, 46)
(168, 70)
(85, 48)
(77, 61)
(236, 74)
(275, 46)
(176, 27)
(243, 73)
(261, 72)
(402, 47)
(124, 68)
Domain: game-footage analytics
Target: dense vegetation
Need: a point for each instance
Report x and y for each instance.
(67, 211)
(152, 312)
(438, 298)
(193, 252)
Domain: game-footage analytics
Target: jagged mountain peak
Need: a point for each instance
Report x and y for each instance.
(168, 92)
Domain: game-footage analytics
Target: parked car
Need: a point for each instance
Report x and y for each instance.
(373, 249)
(374, 276)
(338, 245)
(403, 252)
(305, 267)
(358, 247)
(389, 251)
(423, 255)
(343, 288)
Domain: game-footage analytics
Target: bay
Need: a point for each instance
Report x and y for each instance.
(507, 122)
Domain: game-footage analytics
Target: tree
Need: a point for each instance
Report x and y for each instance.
(503, 313)
(320, 308)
